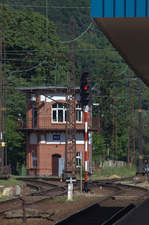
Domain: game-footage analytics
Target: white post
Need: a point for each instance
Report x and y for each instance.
(70, 192)
(81, 172)
(86, 148)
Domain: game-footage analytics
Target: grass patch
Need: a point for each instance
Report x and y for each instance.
(75, 198)
(60, 199)
(57, 200)
(4, 198)
(109, 171)
(11, 181)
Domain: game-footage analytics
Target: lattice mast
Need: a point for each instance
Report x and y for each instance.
(1, 150)
(2, 109)
(70, 146)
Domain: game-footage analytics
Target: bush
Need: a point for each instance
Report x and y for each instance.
(124, 171)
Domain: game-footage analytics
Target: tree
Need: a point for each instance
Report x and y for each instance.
(15, 144)
(99, 149)
(32, 57)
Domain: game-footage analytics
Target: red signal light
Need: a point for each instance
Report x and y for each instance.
(85, 87)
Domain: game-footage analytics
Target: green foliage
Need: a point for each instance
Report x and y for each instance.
(121, 172)
(31, 60)
(99, 149)
(36, 56)
(11, 181)
(15, 144)
(28, 51)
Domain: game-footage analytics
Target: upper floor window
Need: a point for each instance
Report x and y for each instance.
(78, 113)
(59, 112)
(34, 117)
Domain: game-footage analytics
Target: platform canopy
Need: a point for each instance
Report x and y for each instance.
(126, 24)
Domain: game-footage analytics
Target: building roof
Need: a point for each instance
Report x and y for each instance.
(45, 88)
(119, 8)
(125, 23)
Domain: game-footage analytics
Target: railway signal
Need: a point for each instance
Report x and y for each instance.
(85, 89)
(85, 101)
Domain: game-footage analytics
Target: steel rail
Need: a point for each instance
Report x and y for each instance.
(121, 188)
(45, 194)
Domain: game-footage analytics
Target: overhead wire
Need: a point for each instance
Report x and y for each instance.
(67, 41)
(27, 70)
(75, 39)
(64, 42)
(79, 49)
(49, 6)
(52, 7)
(58, 41)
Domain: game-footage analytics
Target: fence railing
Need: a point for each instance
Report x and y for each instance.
(45, 123)
(33, 124)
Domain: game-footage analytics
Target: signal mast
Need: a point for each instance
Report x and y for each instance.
(85, 100)
(70, 146)
(3, 152)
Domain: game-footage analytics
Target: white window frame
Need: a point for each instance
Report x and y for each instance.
(57, 109)
(80, 138)
(79, 109)
(42, 139)
(78, 159)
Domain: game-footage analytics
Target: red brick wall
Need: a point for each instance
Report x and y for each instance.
(45, 157)
(44, 116)
(45, 151)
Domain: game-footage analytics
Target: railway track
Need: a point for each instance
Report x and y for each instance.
(111, 208)
(113, 200)
(42, 191)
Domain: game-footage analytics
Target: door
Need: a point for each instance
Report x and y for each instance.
(61, 167)
(55, 164)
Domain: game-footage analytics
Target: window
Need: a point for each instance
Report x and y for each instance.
(59, 113)
(42, 98)
(34, 118)
(78, 159)
(54, 116)
(79, 138)
(42, 139)
(78, 113)
(33, 139)
(34, 159)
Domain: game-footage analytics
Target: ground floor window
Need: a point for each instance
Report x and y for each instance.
(42, 139)
(78, 159)
(33, 139)
(57, 138)
(34, 159)
(78, 113)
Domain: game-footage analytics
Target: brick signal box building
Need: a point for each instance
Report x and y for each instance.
(45, 130)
